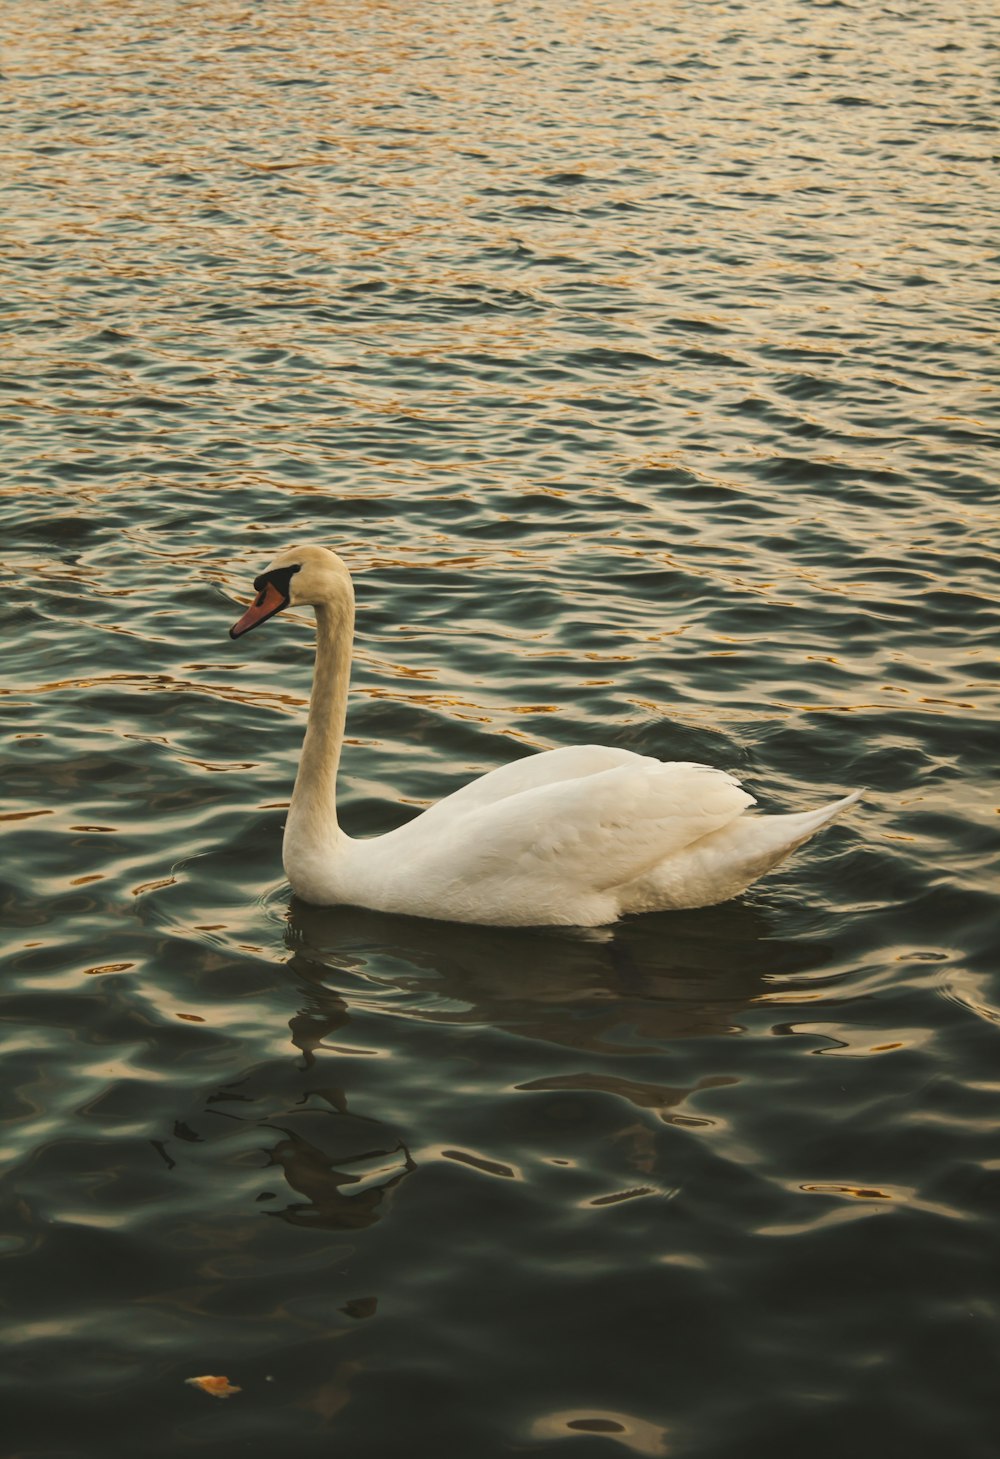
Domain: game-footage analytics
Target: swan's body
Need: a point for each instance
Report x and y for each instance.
(579, 836)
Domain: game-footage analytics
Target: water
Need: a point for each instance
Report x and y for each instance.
(636, 359)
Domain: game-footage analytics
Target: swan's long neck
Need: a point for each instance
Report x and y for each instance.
(312, 817)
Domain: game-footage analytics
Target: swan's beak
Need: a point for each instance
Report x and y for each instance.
(269, 600)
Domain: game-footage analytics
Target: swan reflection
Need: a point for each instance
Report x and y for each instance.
(343, 1191)
(617, 998)
(627, 989)
(617, 994)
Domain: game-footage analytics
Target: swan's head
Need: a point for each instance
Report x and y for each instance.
(298, 577)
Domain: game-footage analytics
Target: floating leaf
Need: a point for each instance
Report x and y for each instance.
(217, 1387)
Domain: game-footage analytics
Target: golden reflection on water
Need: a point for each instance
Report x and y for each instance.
(631, 354)
(639, 1435)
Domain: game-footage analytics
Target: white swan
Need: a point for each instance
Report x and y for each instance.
(579, 836)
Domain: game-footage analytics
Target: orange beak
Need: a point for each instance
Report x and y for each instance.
(267, 602)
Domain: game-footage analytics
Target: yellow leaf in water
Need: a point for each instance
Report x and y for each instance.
(217, 1387)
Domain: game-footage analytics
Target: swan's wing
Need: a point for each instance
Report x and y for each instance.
(547, 767)
(577, 835)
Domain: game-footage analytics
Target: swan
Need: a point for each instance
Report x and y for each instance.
(579, 836)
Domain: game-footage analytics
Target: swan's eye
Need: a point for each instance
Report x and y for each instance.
(279, 577)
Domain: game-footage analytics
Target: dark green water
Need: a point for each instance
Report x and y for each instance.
(636, 357)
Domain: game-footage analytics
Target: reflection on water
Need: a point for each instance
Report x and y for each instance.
(627, 991)
(658, 977)
(314, 1164)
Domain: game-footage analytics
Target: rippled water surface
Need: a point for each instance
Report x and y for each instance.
(636, 357)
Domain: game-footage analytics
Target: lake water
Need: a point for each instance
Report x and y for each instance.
(637, 359)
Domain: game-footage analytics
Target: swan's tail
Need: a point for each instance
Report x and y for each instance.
(725, 863)
(778, 836)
